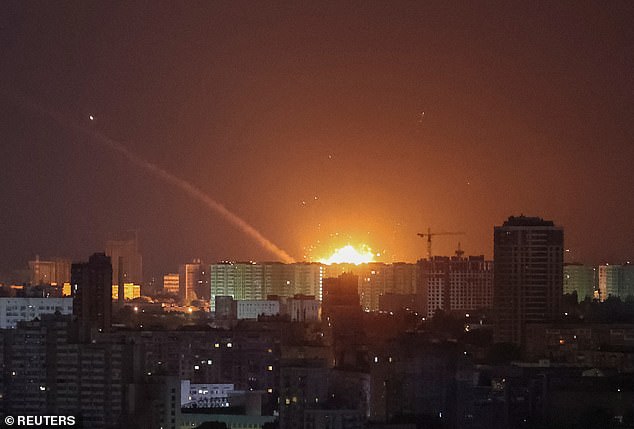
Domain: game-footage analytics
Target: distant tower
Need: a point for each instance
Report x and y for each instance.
(126, 250)
(192, 282)
(528, 275)
(52, 271)
(92, 294)
(170, 283)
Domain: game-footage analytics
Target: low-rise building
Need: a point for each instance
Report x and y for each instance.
(14, 310)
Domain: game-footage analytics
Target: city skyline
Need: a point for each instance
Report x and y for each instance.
(318, 125)
(357, 255)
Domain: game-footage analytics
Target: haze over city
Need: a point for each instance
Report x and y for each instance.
(319, 125)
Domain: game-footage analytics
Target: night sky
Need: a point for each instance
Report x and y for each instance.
(320, 124)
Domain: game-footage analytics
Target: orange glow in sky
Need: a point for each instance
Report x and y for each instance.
(349, 254)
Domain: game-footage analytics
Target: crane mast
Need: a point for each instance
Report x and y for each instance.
(430, 234)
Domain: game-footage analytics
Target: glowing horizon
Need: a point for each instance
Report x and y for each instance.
(350, 255)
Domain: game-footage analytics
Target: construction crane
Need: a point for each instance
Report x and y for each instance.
(430, 234)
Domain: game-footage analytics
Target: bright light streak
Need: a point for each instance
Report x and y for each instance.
(350, 255)
(164, 175)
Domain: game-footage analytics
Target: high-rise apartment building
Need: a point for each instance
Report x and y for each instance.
(126, 250)
(52, 374)
(377, 279)
(609, 281)
(456, 283)
(581, 279)
(528, 275)
(373, 278)
(627, 277)
(192, 282)
(257, 281)
(92, 294)
(292, 279)
(616, 281)
(239, 280)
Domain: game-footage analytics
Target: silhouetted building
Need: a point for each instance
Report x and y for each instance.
(412, 376)
(627, 277)
(341, 310)
(314, 396)
(53, 271)
(92, 294)
(50, 375)
(601, 345)
(341, 292)
(377, 279)
(126, 251)
(528, 275)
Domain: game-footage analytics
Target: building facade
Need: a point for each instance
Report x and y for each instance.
(51, 375)
(257, 281)
(55, 271)
(92, 294)
(130, 291)
(456, 284)
(528, 275)
(192, 282)
(609, 281)
(14, 310)
(239, 280)
(171, 283)
(582, 279)
(125, 251)
(377, 279)
(253, 308)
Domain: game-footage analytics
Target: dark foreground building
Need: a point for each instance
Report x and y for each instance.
(92, 295)
(528, 275)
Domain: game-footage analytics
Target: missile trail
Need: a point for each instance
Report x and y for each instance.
(99, 139)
